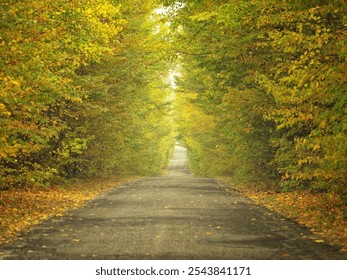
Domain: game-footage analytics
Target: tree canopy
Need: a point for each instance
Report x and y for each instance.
(262, 91)
(83, 90)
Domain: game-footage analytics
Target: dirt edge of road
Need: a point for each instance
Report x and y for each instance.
(22, 209)
(322, 214)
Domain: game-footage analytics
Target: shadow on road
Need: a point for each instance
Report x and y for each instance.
(172, 217)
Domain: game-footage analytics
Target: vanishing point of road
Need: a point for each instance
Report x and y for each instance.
(176, 216)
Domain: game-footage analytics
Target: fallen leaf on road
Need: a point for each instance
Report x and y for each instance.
(319, 241)
(20, 209)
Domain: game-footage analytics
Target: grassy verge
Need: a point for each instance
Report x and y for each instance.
(23, 208)
(323, 214)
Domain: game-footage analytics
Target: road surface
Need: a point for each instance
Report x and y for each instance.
(177, 216)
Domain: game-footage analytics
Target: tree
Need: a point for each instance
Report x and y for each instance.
(76, 92)
(270, 78)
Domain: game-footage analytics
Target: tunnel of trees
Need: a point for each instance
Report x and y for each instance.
(260, 90)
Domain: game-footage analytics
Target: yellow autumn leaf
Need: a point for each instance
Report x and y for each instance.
(319, 241)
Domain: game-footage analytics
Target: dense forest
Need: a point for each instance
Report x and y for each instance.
(262, 91)
(84, 91)
(259, 96)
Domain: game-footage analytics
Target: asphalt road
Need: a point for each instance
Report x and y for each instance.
(173, 217)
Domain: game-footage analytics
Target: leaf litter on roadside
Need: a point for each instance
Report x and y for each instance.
(20, 209)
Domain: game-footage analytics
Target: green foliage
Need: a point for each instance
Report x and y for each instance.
(219, 70)
(77, 93)
(261, 96)
(309, 85)
(269, 80)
